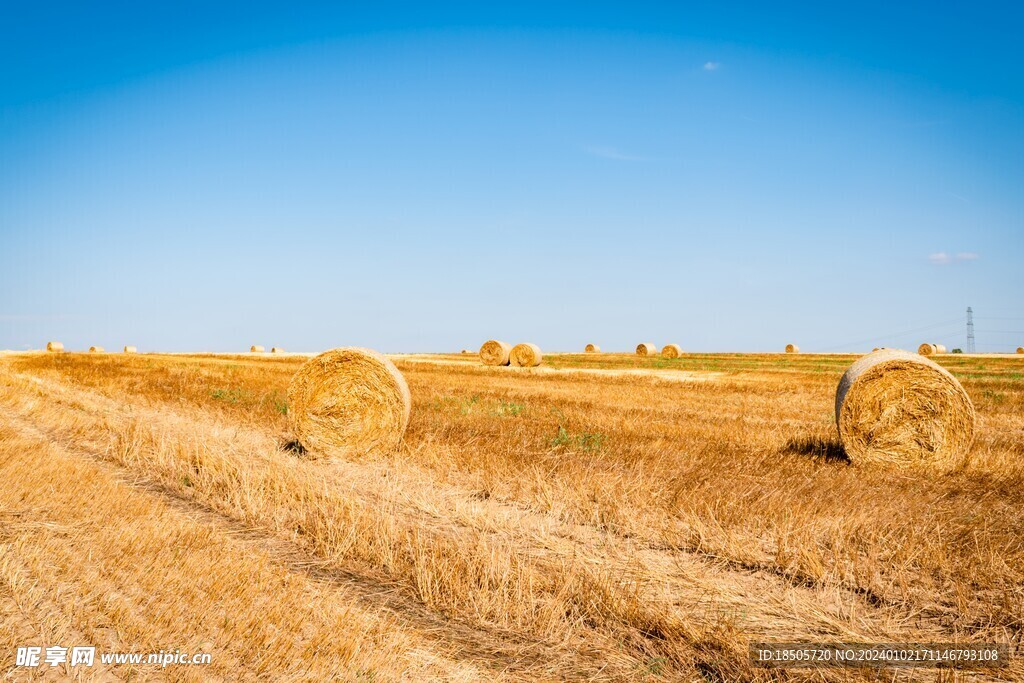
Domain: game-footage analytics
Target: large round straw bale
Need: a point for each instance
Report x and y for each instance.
(671, 351)
(646, 349)
(54, 346)
(495, 352)
(926, 349)
(130, 349)
(276, 349)
(347, 402)
(896, 407)
(1020, 349)
(95, 349)
(792, 348)
(592, 348)
(256, 348)
(940, 348)
(525, 355)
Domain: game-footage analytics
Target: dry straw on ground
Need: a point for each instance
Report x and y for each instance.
(130, 349)
(54, 346)
(592, 348)
(896, 407)
(495, 352)
(95, 349)
(926, 349)
(671, 351)
(347, 402)
(525, 355)
(792, 348)
(256, 348)
(646, 349)
(276, 349)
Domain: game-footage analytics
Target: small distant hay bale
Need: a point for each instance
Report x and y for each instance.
(525, 356)
(671, 351)
(276, 349)
(592, 348)
(95, 349)
(792, 348)
(130, 349)
(256, 348)
(1020, 349)
(495, 352)
(899, 408)
(347, 402)
(940, 348)
(926, 349)
(646, 349)
(466, 351)
(54, 346)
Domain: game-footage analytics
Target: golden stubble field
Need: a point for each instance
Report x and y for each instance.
(601, 518)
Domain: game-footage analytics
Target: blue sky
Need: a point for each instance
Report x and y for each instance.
(410, 178)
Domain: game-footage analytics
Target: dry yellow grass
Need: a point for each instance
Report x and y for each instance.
(525, 356)
(646, 349)
(539, 526)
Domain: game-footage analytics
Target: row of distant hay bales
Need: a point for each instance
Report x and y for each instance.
(256, 348)
(891, 406)
(499, 353)
(57, 347)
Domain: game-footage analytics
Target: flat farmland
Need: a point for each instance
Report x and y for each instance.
(600, 517)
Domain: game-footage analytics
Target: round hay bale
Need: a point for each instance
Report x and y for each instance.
(495, 352)
(792, 348)
(592, 348)
(95, 349)
(347, 402)
(130, 349)
(899, 408)
(525, 355)
(1020, 349)
(54, 346)
(466, 351)
(926, 349)
(646, 349)
(939, 348)
(671, 351)
(276, 349)
(256, 348)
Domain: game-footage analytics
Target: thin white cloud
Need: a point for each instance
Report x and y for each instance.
(712, 66)
(611, 153)
(941, 258)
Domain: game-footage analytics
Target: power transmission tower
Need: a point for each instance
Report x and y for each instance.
(970, 330)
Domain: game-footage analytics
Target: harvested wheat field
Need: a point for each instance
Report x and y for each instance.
(586, 522)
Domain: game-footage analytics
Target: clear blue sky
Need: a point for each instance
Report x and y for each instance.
(420, 177)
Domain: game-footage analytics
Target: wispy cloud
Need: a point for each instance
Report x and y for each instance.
(612, 153)
(712, 66)
(941, 258)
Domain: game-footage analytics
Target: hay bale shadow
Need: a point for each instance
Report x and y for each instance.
(829, 449)
(294, 447)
